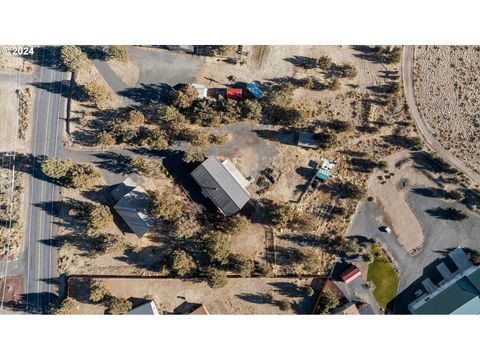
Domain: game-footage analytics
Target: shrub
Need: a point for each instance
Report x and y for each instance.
(99, 218)
(347, 70)
(117, 52)
(280, 215)
(136, 117)
(166, 207)
(324, 62)
(242, 265)
(153, 137)
(218, 247)
(205, 115)
(327, 302)
(65, 308)
(193, 157)
(118, 306)
(56, 168)
(216, 278)
(146, 167)
(182, 263)
(98, 291)
(168, 113)
(185, 97)
(80, 176)
(105, 139)
(96, 92)
(475, 257)
(219, 139)
(285, 305)
(334, 85)
(382, 165)
(237, 225)
(251, 110)
(73, 58)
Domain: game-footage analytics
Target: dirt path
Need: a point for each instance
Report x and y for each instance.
(407, 70)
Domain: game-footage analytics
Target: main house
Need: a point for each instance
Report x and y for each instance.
(132, 203)
(223, 184)
(457, 293)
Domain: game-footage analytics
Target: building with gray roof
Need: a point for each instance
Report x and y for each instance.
(457, 293)
(149, 308)
(132, 204)
(223, 184)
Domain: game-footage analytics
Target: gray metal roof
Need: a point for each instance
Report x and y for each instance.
(132, 208)
(149, 308)
(220, 186)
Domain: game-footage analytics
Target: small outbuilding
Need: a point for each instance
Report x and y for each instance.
(201, 89)
(234, 93)
(350, 274)
(253, 89)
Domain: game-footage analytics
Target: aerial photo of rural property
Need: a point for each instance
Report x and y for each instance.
(239, 179)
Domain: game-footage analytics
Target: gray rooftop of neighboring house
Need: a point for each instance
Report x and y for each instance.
(149, 308)
(132, 205)
(220, 185)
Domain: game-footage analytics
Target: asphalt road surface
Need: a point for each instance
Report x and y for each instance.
(40, 260)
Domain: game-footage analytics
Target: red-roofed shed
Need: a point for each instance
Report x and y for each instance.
(235, 94)
(350, 274)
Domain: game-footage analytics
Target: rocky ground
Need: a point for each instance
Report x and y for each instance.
(447, 89)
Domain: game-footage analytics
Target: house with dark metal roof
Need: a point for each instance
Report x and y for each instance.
(457, 293)
(132, 204)
(223, 184)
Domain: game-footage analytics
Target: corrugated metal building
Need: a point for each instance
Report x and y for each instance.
(220, 185)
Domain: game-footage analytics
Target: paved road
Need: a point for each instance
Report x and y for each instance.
(407, 69)
(40, 262)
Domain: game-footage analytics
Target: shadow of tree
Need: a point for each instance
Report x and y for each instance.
(149, 93)
(47, 56)
(95, 52)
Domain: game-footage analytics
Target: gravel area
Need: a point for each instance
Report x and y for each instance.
(447, 89)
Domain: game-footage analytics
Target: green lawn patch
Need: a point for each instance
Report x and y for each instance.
(384, 276)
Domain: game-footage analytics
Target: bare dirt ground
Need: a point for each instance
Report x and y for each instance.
(12, 63)
(11, 184)
(447, 90)
(14, 289)
(145, 251)
(239, 296)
